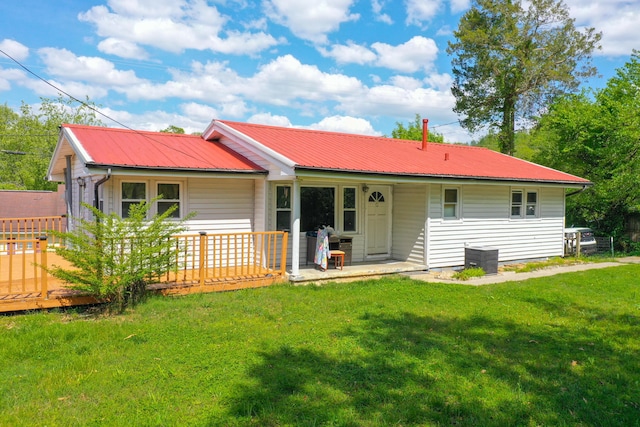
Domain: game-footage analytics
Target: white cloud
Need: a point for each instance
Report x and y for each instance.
(401, 102)
(618, 21)
(377, 6)
(405, 82)
(199, 112)
(155, 120)
(9, 75)
(270, 119)
(417, 53)
(346, 124)
(441, 82)
(419, 11)
(148, 8)
(312, 20)
(122, 48)
(286, 79)
(188, 24)
(350, 53)
(92, 69)
(458, 6)
(16, 50)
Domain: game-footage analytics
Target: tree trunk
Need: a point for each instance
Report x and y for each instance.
(507, 129)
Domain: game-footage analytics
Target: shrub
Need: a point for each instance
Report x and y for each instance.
(113, 258)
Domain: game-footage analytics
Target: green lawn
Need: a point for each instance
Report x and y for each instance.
(563, 350)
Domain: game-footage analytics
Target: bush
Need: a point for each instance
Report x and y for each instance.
(113, 258)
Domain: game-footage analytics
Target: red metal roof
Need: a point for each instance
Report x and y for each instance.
(156, 150)
(369, 154)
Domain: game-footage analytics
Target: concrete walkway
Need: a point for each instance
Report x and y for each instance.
(509, 276)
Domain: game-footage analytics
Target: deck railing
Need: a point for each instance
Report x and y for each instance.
(22, 269)
(31, 228)
(218, 257)
(198, 260)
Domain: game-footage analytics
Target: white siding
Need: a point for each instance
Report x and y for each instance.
(222, 205)
(409, 213)
(485, 221)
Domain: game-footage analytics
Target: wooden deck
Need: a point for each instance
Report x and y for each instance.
(228, 262)
(28, 295)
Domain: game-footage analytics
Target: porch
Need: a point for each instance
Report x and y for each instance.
(358, 270)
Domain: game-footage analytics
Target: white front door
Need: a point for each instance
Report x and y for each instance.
(378, 219)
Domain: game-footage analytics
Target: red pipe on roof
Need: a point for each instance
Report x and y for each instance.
(425, 133)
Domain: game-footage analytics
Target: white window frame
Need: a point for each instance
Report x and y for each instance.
(524, 204)
(151, 191)
(124, 214)
(283, 209)
(457, 204)
(163, 200)
(344, 209)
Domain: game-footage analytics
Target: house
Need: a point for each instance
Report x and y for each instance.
(32, 203)
(421, 203)
(27, 213)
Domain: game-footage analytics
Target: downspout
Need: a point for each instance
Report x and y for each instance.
(68, 192)
(425, 133)
(96, 189)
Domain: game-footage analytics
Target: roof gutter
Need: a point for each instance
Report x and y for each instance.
(96, 189)
(573, 193)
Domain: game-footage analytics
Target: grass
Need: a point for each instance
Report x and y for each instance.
(560, 350)
(469, 273)
(555, 262)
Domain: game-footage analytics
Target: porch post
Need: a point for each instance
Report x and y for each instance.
(295, 230)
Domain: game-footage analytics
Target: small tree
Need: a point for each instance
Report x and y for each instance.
(413, 131)
(115, 258)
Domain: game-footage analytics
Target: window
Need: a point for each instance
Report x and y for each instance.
(450, 205)
(516, 203)
(317, 207)
(524, 204)
(349, 209)
(532, 204)
(132, 194)
(283, 207)
(170, 196)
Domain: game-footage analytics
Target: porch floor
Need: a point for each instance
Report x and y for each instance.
(362, 270)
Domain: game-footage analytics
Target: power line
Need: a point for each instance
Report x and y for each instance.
(445, 124)
(92, 108)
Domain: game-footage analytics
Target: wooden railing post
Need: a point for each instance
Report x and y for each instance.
(202, 258)
(43, 266)
(283, 260)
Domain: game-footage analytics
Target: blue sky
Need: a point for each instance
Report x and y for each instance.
(342, 65)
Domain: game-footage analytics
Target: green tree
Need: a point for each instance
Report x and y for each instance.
(509, 61)
(597, 135)
(172, 129)
(29, 137)
(525, 147)
(413, 131)
(114, 258)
